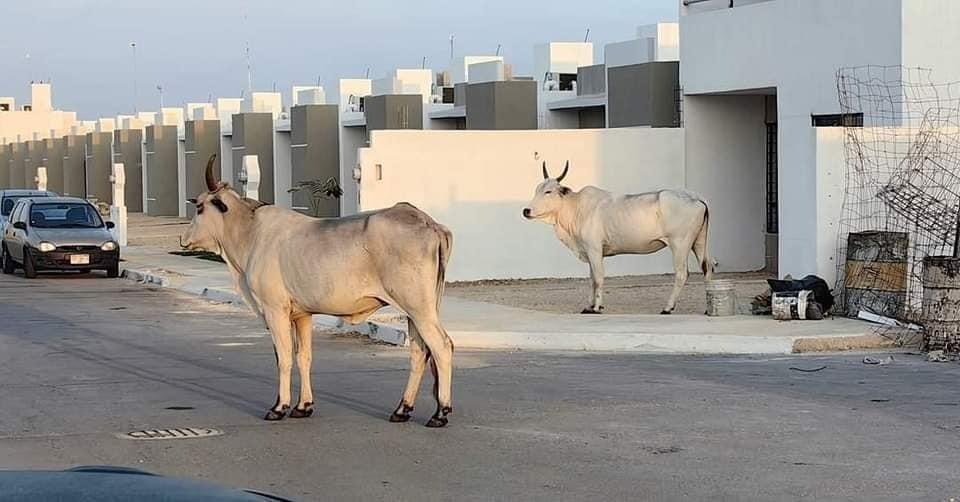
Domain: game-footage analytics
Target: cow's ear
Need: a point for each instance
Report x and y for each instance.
(217, 203)
(564, 190)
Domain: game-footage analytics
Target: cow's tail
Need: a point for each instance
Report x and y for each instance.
(443, 257)
(700, 245)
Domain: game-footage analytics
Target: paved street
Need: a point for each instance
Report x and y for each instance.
(83, 358)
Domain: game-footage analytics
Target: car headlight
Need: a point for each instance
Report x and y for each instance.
(108, 246)
(46, 247)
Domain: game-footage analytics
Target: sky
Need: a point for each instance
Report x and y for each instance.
(196, 49)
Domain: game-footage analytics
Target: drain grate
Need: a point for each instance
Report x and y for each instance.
(175, 433)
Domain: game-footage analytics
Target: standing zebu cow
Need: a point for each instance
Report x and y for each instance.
(289, 266)
(595, 223)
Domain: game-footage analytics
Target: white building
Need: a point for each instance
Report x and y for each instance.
(754, 75)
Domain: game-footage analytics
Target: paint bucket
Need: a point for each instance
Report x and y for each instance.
(875, 277)
(721, 298)
(941, 303)
(792, 305)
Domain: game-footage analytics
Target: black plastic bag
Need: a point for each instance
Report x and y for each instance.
(821, 291)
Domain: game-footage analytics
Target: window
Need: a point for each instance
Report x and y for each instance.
(64, 215)
(17, 212)
(773, 225)
(838, 120)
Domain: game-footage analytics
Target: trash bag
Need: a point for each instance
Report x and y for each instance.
(821, 291)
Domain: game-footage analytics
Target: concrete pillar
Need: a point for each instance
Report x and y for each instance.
(202, 139)
(282, 169)
(99, 161)
(17, 168)
(127, 150)
(253, 135)
(315, 151)
(249, 177)
(74, 162)
(32, 159)
(118, 209)
(4, 165)
(53, 161)
(162, 160)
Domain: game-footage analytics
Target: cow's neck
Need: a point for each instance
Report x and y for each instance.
(236, 241)
(565, 222)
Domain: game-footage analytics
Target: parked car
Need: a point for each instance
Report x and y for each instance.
(115, 484)
(58, 233)
(9, 198)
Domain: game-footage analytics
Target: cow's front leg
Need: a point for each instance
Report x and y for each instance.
(279, 323)
(596, 278)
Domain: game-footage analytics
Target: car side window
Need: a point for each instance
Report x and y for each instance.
(19, 212)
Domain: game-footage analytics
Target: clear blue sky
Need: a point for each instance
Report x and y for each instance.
(195, 49)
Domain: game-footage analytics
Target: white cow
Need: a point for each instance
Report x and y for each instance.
(595, 223)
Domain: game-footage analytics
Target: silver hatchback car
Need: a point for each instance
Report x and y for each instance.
(58, 233)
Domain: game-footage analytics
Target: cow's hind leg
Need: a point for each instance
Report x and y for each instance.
(681, 252)
(419, 354)
(596, 280)
(441, 358)
(279, 323)
(304, 327)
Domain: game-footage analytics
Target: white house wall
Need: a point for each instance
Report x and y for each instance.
(931, 38)
(478, 182)
(831, 186)
(725, 159)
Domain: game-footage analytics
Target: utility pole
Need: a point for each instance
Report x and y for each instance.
(133, 47)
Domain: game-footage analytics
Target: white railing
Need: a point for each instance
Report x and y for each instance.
(709, 5)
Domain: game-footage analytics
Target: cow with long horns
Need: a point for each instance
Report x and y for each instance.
(595, 224)
(288, 266)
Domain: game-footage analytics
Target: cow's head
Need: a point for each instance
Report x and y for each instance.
(214, 207)
(548, 197)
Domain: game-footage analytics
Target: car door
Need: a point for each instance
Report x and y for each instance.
(15, 236)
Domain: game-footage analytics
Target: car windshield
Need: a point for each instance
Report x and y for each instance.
(9, 201)
(64, 215)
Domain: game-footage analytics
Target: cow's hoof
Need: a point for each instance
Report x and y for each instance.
(437, 422)
(666, 312)
(401, 414)
(307, 411)
(439, 419)
(274, 415)
(399, 418)
(592, 311)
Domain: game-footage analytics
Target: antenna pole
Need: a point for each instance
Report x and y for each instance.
(133, 46)
(452, 37)
(586, 37)
(498, 49)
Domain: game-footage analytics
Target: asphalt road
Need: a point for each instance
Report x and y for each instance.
(83, 359)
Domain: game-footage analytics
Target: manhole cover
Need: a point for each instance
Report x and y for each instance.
(176, 433)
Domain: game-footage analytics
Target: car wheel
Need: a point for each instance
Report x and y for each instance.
(8, 265)
(29, 268)
(114, 271)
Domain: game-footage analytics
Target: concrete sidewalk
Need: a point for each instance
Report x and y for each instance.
(480, 325)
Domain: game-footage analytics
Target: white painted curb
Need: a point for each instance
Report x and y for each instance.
(391, 331)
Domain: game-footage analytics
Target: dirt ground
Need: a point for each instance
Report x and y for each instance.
(622, 295)
(159, 231)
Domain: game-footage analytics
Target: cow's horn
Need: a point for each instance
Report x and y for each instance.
(566, 168)
(545, 173)
(212, 183)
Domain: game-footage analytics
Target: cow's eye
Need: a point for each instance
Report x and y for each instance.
(548, 192)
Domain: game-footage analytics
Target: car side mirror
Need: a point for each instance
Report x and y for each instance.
(110, 224)
(20, 225)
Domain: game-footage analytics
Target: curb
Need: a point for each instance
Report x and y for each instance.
(387, 331)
